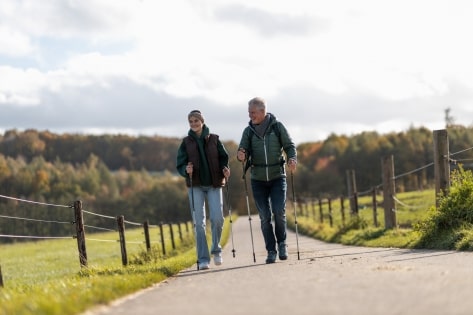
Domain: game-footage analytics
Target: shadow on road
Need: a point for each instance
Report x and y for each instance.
(193, 272)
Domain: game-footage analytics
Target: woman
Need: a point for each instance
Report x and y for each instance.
(203, 161)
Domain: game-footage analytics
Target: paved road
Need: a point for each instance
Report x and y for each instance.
(327, 279)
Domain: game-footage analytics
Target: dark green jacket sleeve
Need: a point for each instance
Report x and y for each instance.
(286, 141)
(182, 159)
(245, 140)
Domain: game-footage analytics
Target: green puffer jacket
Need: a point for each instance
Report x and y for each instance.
(266, 155)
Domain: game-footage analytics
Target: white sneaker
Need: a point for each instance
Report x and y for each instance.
(203, 265)
(218, 260)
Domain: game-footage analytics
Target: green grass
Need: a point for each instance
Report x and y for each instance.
(45, 277)
(361, 230)
(419, 223)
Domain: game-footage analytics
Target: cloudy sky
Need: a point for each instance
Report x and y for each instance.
(139, 66)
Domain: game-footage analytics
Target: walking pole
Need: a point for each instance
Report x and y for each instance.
(295, 215)
(193, 219)
(249, 214)
(230, 215)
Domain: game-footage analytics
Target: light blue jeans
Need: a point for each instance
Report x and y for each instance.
(197, 196)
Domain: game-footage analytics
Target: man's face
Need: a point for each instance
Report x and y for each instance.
(256, 115)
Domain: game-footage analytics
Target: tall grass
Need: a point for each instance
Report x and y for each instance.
(411, 208)
(451, 226)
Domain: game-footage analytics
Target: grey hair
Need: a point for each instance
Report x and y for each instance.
(257, 102)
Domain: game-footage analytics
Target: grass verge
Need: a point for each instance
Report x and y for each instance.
(366, 228)
(45, 277)
(419, 223)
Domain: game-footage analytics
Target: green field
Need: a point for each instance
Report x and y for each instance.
(45, 277)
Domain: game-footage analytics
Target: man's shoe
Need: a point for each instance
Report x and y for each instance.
(271, 257)
(282, 251)
(218, 260)
(203, 266)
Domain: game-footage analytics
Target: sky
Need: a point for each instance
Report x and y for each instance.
(139, 67)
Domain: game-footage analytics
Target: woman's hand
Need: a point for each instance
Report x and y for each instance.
(226, 172)
(189, 168)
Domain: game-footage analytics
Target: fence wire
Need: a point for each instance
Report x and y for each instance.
(406, 205)
(35, 220)
(35, 202)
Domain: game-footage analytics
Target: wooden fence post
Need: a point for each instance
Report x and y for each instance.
(441, 163)
(163, 243)
(375, 211)
(355, 203)
(146, 231)
(313, 209)
(179, 229)
(121, 233)
(321, 211)
(342, 209)
(80, 233)
(330, 217)
(1, 277)
(352, 191)
(172, 236)
(389, 191)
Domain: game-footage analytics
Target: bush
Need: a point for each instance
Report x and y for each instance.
(448, 224)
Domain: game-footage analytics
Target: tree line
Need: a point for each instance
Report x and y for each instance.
(136, 177)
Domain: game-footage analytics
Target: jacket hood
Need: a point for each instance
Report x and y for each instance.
(272, 119)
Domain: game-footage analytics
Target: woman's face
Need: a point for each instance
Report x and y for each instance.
(195, 124)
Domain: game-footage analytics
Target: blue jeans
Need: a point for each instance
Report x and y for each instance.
(214, 199)
(270, 199)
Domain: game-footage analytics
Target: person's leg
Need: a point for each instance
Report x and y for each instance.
(200, 223)
(261, 191)
(214, 198)
(278, 205)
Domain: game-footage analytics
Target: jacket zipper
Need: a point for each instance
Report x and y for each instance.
(266, 158)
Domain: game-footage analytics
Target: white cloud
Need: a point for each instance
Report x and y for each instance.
(316, 62)
(14, 43)
(19, 86)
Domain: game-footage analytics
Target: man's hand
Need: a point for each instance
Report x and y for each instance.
(241, 155)
(292, 164)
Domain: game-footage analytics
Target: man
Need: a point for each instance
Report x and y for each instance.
(262, 145)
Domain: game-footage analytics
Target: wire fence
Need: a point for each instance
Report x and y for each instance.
(339, 208)
(166, 241)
